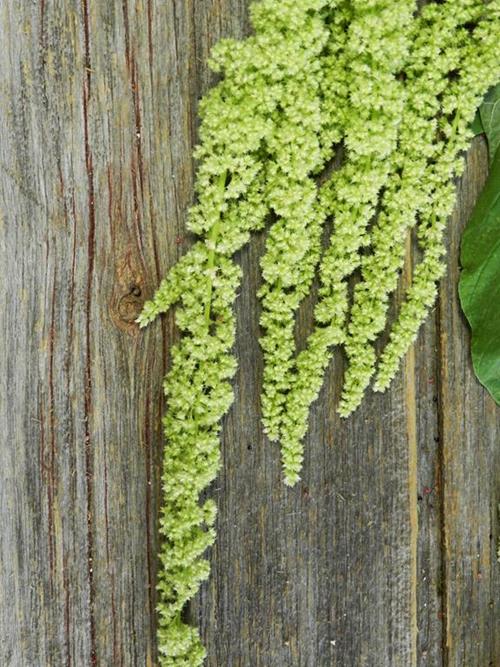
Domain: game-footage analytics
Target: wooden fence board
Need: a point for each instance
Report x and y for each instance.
(382, 555)
(470, 432)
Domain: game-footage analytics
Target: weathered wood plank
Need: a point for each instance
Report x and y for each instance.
(89, 139)
(321, 574)
(470, 434)
(98, 106)
(429, 500)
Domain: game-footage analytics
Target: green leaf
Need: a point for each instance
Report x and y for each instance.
(489, 112)
(477, 125)
(479, 286)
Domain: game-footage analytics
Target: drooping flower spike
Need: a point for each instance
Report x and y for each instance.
(243, 118)
(378, 38)
(440, 49)
(479, 70)
(310, 126)
(398, 89)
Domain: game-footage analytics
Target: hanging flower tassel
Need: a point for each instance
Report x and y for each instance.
(296, 153)
(439, 49)
(481, 70)
(376, 48)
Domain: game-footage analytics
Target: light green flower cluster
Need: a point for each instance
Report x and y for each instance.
(245, 121)
(310, 125)
(378, 38)
(440, 50)
(479, 70)
(396, 90)
(198, 394)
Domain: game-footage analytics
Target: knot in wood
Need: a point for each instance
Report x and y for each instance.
(130, 305)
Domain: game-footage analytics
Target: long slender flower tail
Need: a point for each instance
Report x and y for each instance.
(298, 151)
(483, 71)
(239, 118)
(440, 48)
(376, 49)
(312, 125)
(199, 394)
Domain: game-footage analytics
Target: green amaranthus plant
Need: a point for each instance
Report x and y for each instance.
(397, 90)
(242, 119)
(442, 100)
(375, 50)
(307, 134)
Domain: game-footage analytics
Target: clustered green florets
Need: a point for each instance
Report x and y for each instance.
(433, 131)
(388, 91)
(375, 48)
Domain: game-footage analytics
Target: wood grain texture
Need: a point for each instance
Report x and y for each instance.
(470, 435)
(382, 556)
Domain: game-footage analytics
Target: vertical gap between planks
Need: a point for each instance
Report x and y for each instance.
(441, 366)
(411, 427)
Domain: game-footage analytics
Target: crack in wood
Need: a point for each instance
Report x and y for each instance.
(88, 311)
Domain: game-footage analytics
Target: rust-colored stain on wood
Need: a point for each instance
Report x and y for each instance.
(383, 556)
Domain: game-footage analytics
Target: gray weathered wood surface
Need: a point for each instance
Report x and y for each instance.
(383, 556)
